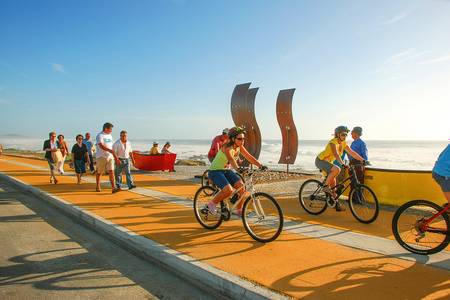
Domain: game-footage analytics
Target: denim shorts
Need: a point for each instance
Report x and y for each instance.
(222, 178)
(323, 165)
(444, 182)
(80, 166)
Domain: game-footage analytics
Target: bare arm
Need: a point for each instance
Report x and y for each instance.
(103, 147)
(336, 154)
(353, 153)
(250, 157)
(230, 158)
(132, 158)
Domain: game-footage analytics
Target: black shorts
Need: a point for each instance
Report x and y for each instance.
(444, 182)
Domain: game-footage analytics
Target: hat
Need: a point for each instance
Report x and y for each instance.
(225, 131)
(167, 143)
(155, 143)
(357, 130)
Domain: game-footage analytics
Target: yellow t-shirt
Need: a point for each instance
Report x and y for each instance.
(328, 155)
(154, 150)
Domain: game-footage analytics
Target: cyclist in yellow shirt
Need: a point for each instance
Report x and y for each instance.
(333, 151)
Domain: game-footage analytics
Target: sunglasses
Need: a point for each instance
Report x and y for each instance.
(240, 139)
(343, 134)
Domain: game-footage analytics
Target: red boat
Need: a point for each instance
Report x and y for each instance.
(160, 162)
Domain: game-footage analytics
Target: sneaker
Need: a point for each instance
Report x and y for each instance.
(131, 187)
(116, 190)
(212, 208)
(339, 207)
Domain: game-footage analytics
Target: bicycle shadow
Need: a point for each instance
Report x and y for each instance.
(374, 277)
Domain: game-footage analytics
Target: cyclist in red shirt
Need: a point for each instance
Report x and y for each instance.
(217, 143)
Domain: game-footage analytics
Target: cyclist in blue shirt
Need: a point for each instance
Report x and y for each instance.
(441, 172)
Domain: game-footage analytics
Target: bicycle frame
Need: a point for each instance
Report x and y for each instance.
(352, 178)
(424, 225)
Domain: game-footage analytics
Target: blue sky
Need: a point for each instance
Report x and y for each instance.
(166, 69)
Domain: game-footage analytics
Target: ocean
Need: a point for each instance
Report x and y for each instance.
(405, 155)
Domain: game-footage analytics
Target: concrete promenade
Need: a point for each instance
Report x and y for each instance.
(327, 256)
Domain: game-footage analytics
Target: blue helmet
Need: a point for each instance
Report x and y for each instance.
(340, 129)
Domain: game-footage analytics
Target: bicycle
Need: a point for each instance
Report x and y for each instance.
(261, 214)
(422, 227)
(362, 200)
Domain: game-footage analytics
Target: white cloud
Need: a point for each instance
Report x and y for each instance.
(397, 18)
(58, 68)
(402, 57)
(436, 60)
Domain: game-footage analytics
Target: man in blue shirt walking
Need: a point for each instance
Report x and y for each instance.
(88, 143)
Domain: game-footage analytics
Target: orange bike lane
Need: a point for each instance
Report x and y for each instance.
(296, 265)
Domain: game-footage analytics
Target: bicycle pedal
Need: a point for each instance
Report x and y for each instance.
(331, 203)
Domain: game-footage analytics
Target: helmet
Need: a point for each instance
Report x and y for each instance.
(340, 129)
(235, 131)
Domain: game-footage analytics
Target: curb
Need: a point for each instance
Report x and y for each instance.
(198, 273)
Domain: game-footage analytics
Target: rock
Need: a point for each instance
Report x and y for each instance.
(190, 162)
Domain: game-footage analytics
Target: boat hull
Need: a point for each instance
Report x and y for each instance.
(159, 162)
(396, 187)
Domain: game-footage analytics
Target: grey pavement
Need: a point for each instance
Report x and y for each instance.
(46, 255)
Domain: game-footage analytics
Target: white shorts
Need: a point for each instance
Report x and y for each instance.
(105, 165)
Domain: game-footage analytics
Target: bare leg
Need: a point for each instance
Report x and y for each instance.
(112, 179)
(78, 178)
(240, 186)
(223, 194)
(97, 180)
(331, 179)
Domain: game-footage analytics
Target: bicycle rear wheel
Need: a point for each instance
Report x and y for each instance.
(202, 214)
(312, 197)
(262, 217)
(363, 204)
(407, 222)
(205, 181)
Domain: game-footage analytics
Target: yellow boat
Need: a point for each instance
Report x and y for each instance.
(395, 187)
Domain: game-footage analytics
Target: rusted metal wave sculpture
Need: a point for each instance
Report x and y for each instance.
(243, 114)
(239, 104)
(253, 132)
(287, 127)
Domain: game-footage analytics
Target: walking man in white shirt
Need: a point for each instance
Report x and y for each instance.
(105, 156)
(122, 148)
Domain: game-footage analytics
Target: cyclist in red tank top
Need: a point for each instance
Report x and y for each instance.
(217, 143)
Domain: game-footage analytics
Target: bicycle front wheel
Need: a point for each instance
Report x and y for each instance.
(202, 214)
(262, 217)
(408, 231)
(363, 204)
(312, 197)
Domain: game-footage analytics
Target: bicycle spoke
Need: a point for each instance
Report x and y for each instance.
(409, 231)
(262, 217)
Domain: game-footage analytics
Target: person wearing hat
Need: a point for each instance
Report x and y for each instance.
(359, 146)
(334, 151)
(154, 150)
(165, 149)
(217, 143)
